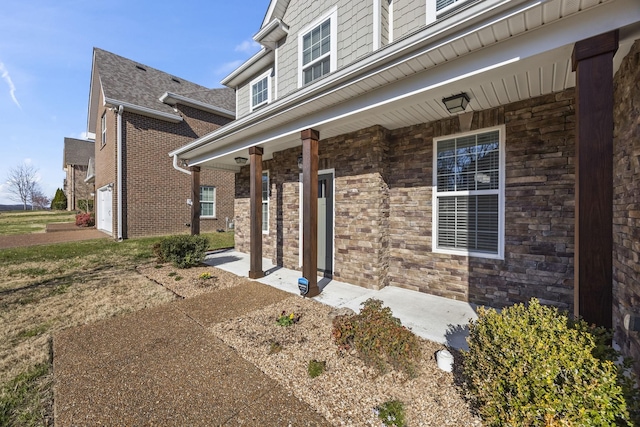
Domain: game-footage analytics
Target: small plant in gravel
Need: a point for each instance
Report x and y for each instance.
(205, 276)
(379, 338)
(178, 278)
(287, 319)
(316, 368)
(274, 347)
(173, 273)
(391, 413)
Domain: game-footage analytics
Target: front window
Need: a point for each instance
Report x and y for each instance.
(468, 194)
(265, 202)
(103, 128)
(318, 49)
(260, 91)
(207, 201)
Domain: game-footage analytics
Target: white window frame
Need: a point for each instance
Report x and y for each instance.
(332, 16)
(214, 202)
(445, 9)
(265, 202)
(500, 192)
(266, 75)
(103, 129)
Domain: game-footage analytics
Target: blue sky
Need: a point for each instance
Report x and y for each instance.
(45, 63)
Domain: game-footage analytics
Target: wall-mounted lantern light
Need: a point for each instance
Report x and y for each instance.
(300, 162)
(241, 160)
(456, 103)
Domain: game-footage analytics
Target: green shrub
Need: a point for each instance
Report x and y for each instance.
(316, 368)
(182, 251)
(59, 202)
(391, 413)
(378, 337)
(531, 365)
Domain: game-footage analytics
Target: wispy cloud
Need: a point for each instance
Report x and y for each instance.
(247, 46)
(228, 67)
(12, 88)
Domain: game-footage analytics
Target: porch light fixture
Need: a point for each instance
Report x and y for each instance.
(456, 103)
(300, 161)
(185, 163)
(241, 160)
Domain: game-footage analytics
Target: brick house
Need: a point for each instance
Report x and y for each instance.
(466, 149)
(76, 157)
(135, 112)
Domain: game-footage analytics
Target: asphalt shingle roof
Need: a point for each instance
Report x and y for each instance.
(77, 152)
(125, 80)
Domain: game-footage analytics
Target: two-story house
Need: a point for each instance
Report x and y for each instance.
(77, 154)
(135, 112)
(464, 148)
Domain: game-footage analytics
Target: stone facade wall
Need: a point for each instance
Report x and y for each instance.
(155, 194)
(383, 208)
(626, 201)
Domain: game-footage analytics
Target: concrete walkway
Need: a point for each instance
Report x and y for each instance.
(428, 316)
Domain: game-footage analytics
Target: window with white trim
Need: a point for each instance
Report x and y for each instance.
(446, 5)
(261, 90)
(468, 194)
(103, 129)
(265, 202)
(317, 49)
(207, 201)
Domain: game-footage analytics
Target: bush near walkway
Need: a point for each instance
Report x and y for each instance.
(183, 251)
(533, 366)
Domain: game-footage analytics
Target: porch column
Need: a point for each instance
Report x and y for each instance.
(593, 289)
(255, 206)
(310, 139)
(195, 200)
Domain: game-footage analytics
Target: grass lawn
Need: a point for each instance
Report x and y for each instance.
(24, 222)
(49, 288)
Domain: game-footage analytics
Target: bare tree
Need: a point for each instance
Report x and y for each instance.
(22, 180)
(38, 199)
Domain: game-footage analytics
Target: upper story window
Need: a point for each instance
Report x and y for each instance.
(468, 194)
(317, 48)
(103, 129)
(207, 201)
(444, 5)
(261, 90)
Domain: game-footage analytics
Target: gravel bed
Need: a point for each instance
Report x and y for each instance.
(347, 393)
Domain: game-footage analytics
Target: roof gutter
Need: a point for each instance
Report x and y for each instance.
(176, 167)
(170, 98)
(143, 111)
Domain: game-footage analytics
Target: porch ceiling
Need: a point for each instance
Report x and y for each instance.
(521, 55)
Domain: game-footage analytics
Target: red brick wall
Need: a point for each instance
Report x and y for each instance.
(383, 211)
(626, 201)
(105, 158)
(156, 194)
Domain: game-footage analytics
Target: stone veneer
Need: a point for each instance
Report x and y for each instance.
(626, 201)
(383, 182)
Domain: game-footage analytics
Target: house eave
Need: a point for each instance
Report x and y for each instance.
(143, 111)
(253, 65)
(270, 35)
(172, 99)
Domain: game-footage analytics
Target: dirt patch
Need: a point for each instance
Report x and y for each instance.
(190, 282)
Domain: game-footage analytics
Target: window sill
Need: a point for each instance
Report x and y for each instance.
(468, 254)
(208, 217)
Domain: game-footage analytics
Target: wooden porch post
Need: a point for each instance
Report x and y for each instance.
(310, 139)
(593, 288)
(255, 206)
(195, 200)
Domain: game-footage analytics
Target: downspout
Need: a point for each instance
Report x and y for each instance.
(119, 174)
(176, 167)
